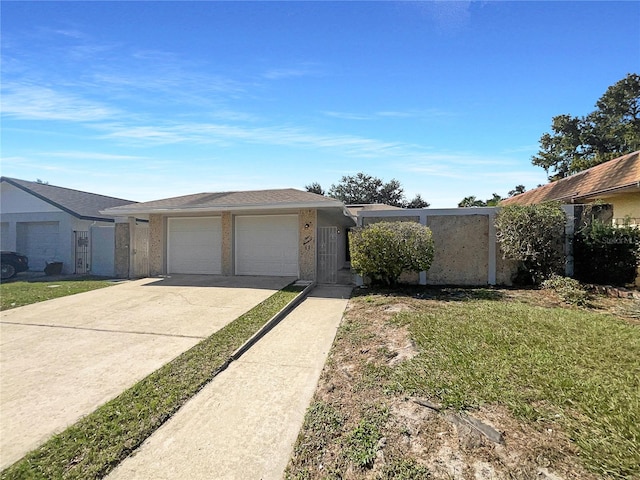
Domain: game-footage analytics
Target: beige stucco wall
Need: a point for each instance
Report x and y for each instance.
(121, 257)
(227, 243)
(156, 248)
(461, 250)
(624, 204)
(307, 221)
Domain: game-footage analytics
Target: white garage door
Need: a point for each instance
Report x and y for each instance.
(39, 241)
(267, 245)
(195, 245)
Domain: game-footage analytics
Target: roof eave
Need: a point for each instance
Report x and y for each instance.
(119, 212)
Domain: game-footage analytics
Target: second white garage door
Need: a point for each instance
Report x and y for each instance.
(195, 245)
(267, 245)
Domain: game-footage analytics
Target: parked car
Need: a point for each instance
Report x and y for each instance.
(12, 263)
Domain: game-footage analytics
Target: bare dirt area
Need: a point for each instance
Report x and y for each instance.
(360, 427)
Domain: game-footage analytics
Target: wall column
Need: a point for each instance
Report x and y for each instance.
(227, 243)
(307, 224)
(122, 250)
(156, 256)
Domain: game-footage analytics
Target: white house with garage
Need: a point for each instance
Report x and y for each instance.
(49, 224)
(284, 232)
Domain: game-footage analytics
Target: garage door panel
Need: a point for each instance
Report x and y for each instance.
(267, 245)
(194, 245)
(39, 241)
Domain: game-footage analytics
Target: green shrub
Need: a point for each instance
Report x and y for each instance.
(568, 289)
(533, 235)
(606, 254)
(383, 251)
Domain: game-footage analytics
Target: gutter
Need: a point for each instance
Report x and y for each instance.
(114, 212)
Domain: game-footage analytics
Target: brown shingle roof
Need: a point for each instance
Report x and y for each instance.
(611, 176)
(228, 200)
(83, 205)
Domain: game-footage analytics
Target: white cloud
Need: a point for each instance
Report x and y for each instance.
(41, 103)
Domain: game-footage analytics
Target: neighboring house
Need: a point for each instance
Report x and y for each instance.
(616, 182)
(267, 232)
(49, 223)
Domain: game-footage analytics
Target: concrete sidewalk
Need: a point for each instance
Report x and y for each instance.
(244, 423)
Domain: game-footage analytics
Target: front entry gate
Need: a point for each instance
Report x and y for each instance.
(82, 265)
(327, 254)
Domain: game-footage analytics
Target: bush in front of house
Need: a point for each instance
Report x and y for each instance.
(606, 254)
(533, 235)
(383, 251)
(568, 289)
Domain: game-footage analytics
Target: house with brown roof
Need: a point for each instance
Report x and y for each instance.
(56, 224)
(284, 232)
(616, 182)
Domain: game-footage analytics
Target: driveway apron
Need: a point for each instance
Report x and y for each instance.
(244, 423)
(63, 358)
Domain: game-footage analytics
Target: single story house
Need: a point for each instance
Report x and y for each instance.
(55, 224)
(284, 232)
(616, 182)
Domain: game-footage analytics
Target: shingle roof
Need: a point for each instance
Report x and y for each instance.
(285, 198)
(614, 175)
(83, 205)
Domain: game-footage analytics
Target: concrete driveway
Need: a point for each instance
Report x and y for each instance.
(61, 359)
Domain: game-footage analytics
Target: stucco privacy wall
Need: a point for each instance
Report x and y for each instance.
(461, 250)
(466, 251)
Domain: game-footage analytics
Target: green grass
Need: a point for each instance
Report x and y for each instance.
(18, 294)
(579, 368)
(96, 444)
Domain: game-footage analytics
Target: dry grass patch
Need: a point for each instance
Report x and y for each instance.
(560, 383)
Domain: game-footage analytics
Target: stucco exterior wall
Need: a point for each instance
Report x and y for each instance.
(156, 249)
(461, 250)
(625, 205)
(307, 222)
(227, 244)
(122, 250)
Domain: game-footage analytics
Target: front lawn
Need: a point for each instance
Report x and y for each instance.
(562, 385)
(20, 293)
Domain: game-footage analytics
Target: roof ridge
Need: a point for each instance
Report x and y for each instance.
(48, 185)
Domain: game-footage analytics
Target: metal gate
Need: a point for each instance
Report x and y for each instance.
(327, 254)
(82, 252)
(140, 251)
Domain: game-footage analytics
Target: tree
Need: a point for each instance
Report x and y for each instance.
(417, 202)
(315, 188)
(363, 188)
(532, 235)
(383, 251)
(578, 143)
(517, 190)
(494, 200)
(471, 201)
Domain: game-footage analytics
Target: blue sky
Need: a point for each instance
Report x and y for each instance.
(146, 100)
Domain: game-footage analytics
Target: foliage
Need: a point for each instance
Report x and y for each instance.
(532, 235)
(314, 187)
(612, 130)
(607, 254)
(406, 469)
(568, 289)
(472, 201)
(366, 189)
(93, 446)
(518, 189)
(362, 441)
(383, 251)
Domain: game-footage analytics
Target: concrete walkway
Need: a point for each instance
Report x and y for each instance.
(63, 358)
(244, 423)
